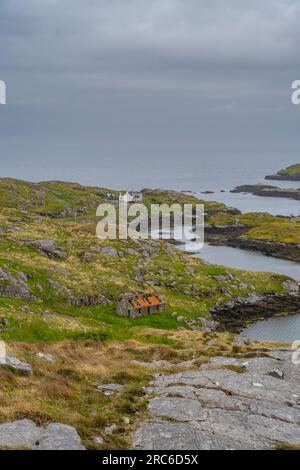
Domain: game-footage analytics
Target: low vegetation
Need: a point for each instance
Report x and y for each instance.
(261, 226)
(293, 171)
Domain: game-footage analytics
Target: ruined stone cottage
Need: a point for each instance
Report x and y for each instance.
(137, 305)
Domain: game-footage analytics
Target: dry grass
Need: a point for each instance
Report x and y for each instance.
(66, 390)
(285, 446)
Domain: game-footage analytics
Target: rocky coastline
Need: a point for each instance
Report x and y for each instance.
(268, 191)
(233, 236)
(236, 315)
(291, 173)
(282, 178)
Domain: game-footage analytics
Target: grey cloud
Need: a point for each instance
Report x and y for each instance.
(165, 76)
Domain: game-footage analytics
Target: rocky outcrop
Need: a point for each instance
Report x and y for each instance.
(88, 300)
(218, 408)
(25, 434)
(282, 178)
(235, 315)
(15, 286)
(48, 248)
(63, 213)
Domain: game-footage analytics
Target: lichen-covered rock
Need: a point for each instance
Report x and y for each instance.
(46, 357)
(49, 248)
(59, 437)
(219, 408)
(19, 434)
(25, 434)
(15, 286)
(16, 365)
(109, 251)
(291, 286)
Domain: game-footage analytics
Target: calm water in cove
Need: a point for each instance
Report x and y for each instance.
(277, 329)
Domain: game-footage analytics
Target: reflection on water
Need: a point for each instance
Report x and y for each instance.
(276, 329)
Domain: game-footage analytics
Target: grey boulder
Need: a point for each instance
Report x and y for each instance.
(16, 365)
(46, 357)
(15, 286)
(109, 251)
(48, 247)
(27, 435)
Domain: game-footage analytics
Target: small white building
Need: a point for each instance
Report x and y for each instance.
(131, 197)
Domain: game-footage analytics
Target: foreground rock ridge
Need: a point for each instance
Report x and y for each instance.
(229, 403)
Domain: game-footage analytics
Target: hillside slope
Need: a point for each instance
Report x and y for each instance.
(58, 291)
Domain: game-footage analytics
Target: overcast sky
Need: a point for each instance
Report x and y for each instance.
(99, 86)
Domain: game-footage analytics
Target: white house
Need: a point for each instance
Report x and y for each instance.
(130, 197)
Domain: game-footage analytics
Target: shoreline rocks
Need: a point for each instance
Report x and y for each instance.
(234, 316)
(268, 191)
(233, 236)
(282, 178)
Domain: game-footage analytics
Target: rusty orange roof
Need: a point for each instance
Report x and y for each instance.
(154, 299)
(145, 300)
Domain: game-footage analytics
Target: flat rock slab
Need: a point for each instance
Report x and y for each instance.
(25, 434)
(219, 408)
(16, 365)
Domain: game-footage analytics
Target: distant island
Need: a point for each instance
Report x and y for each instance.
(291, 173)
